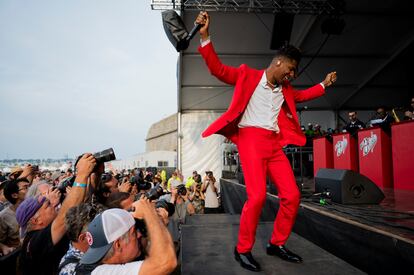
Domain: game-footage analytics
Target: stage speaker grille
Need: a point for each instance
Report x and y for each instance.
(347, 187)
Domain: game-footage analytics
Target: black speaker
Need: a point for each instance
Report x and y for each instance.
(282, 28)
(175, 29)
(347, 187)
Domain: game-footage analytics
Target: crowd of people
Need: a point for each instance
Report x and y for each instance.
(87, 220)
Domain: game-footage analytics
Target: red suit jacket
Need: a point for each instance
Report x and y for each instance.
(245, 80)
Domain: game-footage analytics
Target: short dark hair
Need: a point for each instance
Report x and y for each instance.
(114, 200)
(77, 218)
(12, 187)
(290, 52)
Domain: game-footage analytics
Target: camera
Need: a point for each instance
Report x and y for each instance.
(140, 224)
(140, 183)
(155, 192)
(167, 206)
(101, 157)
(181, 190)
(105, 155)
(68, 182)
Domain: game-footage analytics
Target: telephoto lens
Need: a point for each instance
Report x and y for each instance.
(167, 206)
(155, 192)
(105, 155)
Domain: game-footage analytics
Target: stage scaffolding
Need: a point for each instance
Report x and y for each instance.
(253, 6)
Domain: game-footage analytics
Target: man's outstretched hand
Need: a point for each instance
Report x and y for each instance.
(203, 19)
(329, 79)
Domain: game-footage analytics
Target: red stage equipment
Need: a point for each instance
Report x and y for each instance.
(374, 151)
(403, 154)
(345, 152)
(322, 154)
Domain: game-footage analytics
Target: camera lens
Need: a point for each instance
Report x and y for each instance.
(105, 155)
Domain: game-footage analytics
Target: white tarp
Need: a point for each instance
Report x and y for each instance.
(200, 154)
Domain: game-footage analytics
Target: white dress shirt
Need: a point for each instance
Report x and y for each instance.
(264, 107)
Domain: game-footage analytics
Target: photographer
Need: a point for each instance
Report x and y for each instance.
(210, 188)
(197, 197)
(114, 243)
(182, 205)
(45, 242)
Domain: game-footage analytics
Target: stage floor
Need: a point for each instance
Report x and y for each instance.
(378, 239)
(208, 242)
(394, 215)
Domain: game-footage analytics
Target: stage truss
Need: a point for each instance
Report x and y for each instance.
(253, 6)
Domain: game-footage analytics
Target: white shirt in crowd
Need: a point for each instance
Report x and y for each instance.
(211, 200)
(118, 269)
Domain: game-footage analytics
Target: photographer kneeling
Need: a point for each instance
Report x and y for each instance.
(114, 245)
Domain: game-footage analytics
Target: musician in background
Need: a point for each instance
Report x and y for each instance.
(409, 112)
(383, 120)
(354, 123)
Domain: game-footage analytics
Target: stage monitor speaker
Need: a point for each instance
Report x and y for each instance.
(282, 28)
(347, 187)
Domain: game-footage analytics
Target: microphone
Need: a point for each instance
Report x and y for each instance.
(193, 31)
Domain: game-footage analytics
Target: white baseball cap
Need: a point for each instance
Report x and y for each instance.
(105, 228)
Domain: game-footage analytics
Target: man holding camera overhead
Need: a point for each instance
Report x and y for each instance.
(45, 242)
(261, 119)
(210, 188)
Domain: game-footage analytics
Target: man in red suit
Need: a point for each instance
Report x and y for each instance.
(261, 119)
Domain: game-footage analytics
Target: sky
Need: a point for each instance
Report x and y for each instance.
(82, 76)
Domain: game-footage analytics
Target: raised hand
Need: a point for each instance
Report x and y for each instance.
(329, 79)
(86, 165)
(203, 19)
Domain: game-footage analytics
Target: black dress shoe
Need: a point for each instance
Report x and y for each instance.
(246, 261)
(282, 252)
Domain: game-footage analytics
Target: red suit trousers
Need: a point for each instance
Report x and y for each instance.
(261, 155)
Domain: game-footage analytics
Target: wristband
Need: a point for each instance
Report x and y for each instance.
(77, 184)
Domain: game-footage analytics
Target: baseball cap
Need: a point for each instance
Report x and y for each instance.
(105, 228)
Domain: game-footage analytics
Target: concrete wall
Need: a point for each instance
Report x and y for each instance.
(162, 135)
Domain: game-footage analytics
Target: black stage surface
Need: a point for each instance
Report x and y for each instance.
(377, 239)
(208, 243)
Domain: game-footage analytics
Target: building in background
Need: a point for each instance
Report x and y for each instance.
(162, 135)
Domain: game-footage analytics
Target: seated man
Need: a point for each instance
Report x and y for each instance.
(45, 242)
(354, 123)
(114, 243)
(383, 120)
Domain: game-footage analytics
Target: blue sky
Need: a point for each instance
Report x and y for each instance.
(78, 76)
